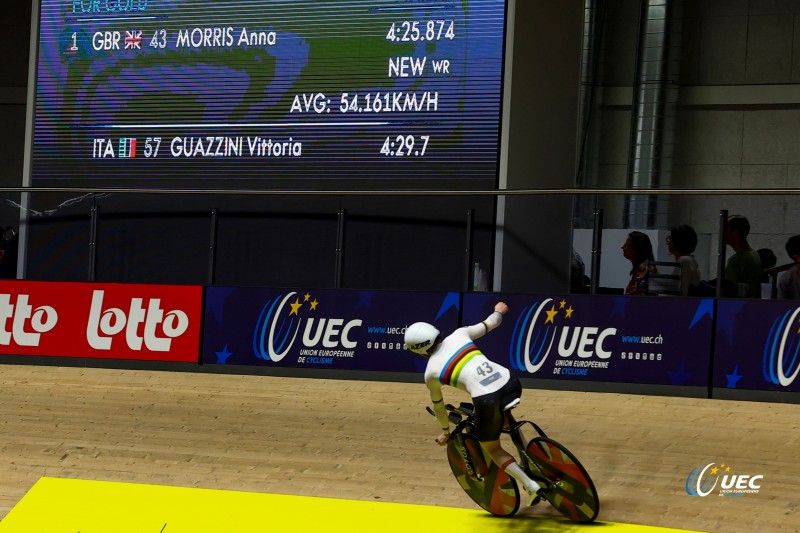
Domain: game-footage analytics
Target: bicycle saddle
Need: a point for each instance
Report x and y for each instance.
(511, 404)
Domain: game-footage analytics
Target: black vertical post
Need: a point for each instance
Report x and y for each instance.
(597, 246)
(773, 288)
(212, 248)
(338, 275)
(93, 219)
(723, 222)
(469, 271)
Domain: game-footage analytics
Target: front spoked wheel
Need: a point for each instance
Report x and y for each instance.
(487, 484)
(569, 488)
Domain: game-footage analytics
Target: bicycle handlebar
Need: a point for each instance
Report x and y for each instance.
(467, 409)
(455, 415)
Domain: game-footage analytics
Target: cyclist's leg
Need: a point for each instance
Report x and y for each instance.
(489, 420)
(498, 454)
(507, 462)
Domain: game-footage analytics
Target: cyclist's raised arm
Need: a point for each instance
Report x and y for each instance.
(492, 321)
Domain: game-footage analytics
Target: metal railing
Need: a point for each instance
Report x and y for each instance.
(96, 216)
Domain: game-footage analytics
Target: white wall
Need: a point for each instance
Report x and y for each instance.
(738, 116)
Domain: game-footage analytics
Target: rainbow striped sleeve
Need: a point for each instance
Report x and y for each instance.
(457, 362)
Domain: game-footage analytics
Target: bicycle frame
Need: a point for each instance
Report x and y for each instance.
(471, 468)
(514, 429)
(520, 442)
(567, 485)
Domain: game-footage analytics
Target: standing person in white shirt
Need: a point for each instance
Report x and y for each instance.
(681, 243)
(456, 361)
(789, 280)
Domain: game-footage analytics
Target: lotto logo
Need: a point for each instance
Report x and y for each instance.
(26, 323)
(104, 324)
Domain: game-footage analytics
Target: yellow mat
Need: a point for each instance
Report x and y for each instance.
(55, 505)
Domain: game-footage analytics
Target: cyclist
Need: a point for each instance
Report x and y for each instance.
(456, 361)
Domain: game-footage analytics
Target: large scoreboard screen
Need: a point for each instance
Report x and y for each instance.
(299, 94)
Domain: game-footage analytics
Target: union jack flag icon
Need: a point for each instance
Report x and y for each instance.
(133, 40)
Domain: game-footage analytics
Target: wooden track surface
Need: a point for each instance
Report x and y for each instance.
(374, 441)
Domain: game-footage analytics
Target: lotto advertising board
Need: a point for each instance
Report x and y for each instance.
(659, 341)
(318, 328)
(100, 320)
(757, 345)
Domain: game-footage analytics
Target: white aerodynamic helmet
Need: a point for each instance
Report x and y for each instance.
(420, 336)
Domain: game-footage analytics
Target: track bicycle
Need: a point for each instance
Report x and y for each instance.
(567, 485)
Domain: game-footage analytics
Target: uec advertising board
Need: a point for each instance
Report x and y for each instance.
(758, 345)
(660, 341)
(318, 328)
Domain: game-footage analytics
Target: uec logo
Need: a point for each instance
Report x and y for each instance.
(781, 349)
(276, 330)
(532, 341)
(702, 481)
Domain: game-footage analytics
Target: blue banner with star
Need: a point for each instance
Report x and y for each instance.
(758, 345)
(320, 328)
(664, 341)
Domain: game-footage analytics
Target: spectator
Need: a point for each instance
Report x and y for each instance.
(681, 243)
(789, 280)
(768, 260)
(743, 270)
(9, 242)
(639, 251)
(578, 282)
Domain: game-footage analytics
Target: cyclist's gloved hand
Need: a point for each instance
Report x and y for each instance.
(442, 439)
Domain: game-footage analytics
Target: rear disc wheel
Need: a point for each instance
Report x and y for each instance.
(569, 488)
